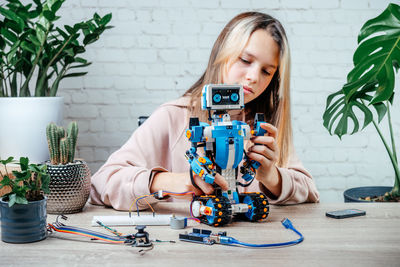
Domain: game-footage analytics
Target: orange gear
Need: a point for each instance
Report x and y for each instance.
(202, 160)
(207, 211)
(188, 134)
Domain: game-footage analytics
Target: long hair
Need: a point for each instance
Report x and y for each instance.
(274, 102)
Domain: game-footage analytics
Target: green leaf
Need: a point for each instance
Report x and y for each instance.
(13, 85)
(339, 112)
(23, 162)
(28, 46)
(2, 45)
(69, 52)
(49, 15)
(380, 110)
(7, 161)
(90, 38)
(376, 56)
(12, 198)
(12, 53)
(45, 183)
(96, 17)
(9, 35)
(40, 34)
(34, 40)
(5, 181)
(69, 29)
(13, 16)
(79, 49)
(56, 6)
(13, 25)
(80, 60)
(80, 65)
(76, 74)
(106, 19)
(21, 200)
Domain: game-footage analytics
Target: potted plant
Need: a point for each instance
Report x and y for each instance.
(35, 52)
(369, 92)
(23, 210)
(69, 178)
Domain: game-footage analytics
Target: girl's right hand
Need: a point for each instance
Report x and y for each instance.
(180, 182)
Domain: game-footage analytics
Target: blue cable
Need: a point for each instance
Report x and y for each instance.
(285, 222)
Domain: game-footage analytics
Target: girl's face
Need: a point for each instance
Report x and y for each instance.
(255, 66)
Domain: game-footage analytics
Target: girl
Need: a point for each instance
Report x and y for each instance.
(252, 50)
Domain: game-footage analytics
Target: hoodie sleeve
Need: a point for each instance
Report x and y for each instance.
(298, 185)
(128, 171)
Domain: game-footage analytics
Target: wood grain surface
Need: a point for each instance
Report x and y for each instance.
(371, 240)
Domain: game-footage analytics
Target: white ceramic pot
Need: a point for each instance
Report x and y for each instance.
(23, 122)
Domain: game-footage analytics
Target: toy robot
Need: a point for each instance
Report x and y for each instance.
(223, 143)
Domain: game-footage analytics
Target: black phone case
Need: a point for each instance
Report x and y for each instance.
(347, 213)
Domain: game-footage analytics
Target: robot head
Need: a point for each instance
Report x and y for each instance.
(222, 97)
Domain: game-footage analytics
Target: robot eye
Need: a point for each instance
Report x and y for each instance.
(217, 98)
(234, 97)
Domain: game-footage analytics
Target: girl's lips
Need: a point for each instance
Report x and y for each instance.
(247, 90)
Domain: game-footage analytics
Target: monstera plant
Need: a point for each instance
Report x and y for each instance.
(368, 94)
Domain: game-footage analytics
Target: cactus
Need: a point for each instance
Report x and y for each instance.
(72, 137)
(53, 142)
(64, 150)
(62, 144)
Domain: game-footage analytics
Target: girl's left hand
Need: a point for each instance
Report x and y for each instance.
(266, 151)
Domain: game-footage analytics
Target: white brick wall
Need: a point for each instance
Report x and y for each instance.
(158, 48)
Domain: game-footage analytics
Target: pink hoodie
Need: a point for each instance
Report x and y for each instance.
(160, 145)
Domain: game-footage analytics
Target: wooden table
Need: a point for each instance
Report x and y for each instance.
(371, 240)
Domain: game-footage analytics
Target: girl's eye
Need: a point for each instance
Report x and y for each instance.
(266, 72)
(244, 61)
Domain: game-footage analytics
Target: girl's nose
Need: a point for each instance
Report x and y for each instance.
(252, 75)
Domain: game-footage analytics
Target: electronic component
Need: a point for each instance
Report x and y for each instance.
(222, 97)
(146, 219)
(178, 222)
(142, 237)
(207, 237)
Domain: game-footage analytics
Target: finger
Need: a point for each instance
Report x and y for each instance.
(205, 187)
(264, 151)
(268, 141)
(220, 180)
(271, 129)
(196, 191)
(259, 158)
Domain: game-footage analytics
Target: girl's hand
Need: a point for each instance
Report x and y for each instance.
(266, 151)
(180, 182)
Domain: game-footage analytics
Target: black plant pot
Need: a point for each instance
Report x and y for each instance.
(23, 223)
(353, 194)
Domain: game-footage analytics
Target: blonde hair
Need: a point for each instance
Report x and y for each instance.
(274, 102)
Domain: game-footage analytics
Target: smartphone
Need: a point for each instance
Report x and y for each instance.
(347, 213)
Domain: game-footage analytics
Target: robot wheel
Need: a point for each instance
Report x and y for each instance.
(222, 210)
(259, 206)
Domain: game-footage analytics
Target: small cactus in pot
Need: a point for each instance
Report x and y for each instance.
(62, 144)
(70, 178)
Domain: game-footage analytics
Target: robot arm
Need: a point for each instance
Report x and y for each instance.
(201, 166)
(250, 166)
